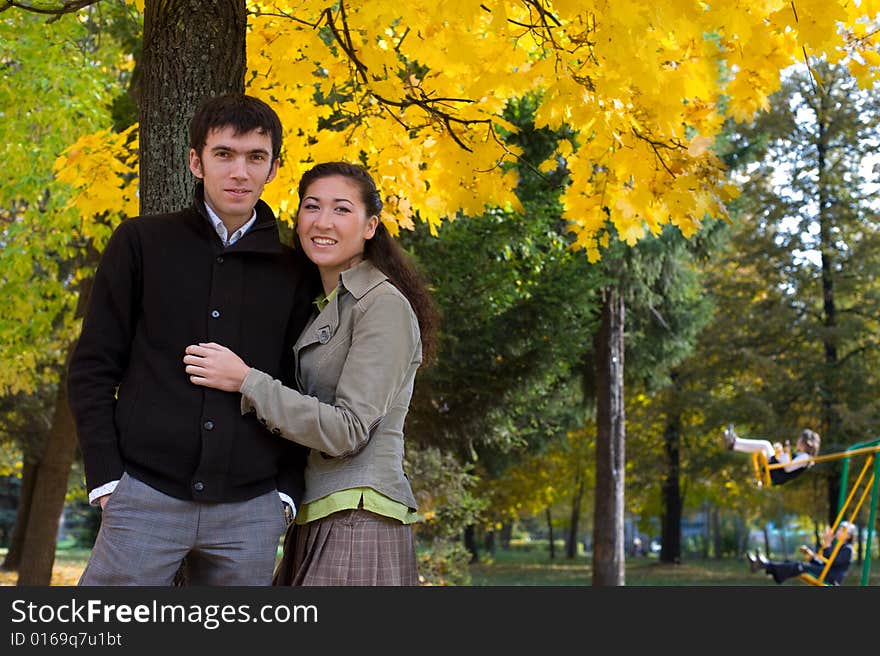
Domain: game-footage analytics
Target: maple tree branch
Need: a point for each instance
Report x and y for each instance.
(66, 7)
(401, 40)
(283, 14)
(348, 46)
(342, 36)
(507, 151)
(656, 146)
(344, 39)
(543, 13)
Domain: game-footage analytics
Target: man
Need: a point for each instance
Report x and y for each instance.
(177, 469)
(784, 570)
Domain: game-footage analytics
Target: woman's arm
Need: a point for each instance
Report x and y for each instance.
(212, 365)
(385, 347)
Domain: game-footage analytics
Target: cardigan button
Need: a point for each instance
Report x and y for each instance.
(198, 486)
(208, 425)
(215, 314)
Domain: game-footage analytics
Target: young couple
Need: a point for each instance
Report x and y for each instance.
(224, 383)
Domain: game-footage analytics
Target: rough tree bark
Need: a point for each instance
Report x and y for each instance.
(608, 525)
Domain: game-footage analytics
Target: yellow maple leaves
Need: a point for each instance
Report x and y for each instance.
(417, 89)
(100, 167)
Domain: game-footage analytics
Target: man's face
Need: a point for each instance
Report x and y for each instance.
(235, 168)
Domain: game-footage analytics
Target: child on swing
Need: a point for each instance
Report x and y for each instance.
(806, 449)
(786, 569)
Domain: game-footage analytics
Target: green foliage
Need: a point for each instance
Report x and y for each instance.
(443, 488)
(81, 524)
(666, 307)
(45, 108)
(517, 311)
(444, 563)
(798, 294)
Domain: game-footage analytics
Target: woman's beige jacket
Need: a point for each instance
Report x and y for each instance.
(356, 363)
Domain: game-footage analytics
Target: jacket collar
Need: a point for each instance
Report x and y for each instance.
(361, 278)
(357, 281)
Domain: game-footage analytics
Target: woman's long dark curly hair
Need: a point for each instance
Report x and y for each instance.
(384, 252)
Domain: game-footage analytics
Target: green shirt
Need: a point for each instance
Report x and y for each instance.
(322, 300)
(348, 499)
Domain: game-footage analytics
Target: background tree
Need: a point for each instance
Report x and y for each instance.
(763, 362)
(812, 194)
(669, 311)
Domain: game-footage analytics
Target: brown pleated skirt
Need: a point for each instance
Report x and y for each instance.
(349, 547)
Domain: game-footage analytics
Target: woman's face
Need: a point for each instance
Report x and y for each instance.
(332, 225)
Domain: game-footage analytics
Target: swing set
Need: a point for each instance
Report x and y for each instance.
(850, 501)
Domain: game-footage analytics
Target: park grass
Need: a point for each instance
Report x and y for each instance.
(536, 568)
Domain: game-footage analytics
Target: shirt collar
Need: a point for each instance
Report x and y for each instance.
(323, 300)
(220, 227)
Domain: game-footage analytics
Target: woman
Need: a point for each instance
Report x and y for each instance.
(356, 363)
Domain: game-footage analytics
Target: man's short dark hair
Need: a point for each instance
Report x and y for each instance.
(244, 113)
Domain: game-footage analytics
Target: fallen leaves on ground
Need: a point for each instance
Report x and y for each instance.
(62, 574)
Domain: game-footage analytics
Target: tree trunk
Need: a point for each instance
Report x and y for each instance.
(608, 524)
(50, 489)
(742, 535)
(489, 542)
(827, 247)
(834, 479)
(470, 543)
(506, 534)
(33, 435)
(12, 561)
(704, 538)
(550, 533)
(573, 525)
(51, 477)
(192, 49)
(670, 524)
(717, 547)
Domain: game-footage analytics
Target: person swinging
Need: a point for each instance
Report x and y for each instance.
(792, 464)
